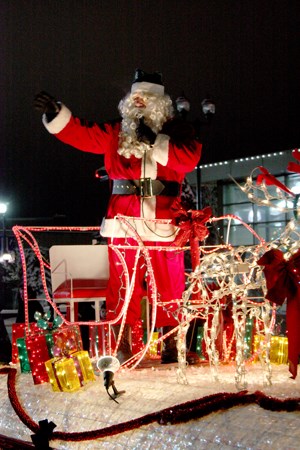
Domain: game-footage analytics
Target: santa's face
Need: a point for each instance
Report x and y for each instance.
(139, 100)
(153, 108)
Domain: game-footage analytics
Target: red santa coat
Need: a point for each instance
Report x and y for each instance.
(170, 158)
(164, 161)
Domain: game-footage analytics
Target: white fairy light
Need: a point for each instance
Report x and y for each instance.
(267, 195)
(212, 281)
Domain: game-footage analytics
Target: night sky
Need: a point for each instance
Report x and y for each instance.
(243, 54)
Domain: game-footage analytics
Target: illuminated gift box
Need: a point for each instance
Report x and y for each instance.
(154, 347)
(70, 372)
(199, 343)
(22, 355)
(278, 348)
(68, 334)
(18, 331)
(56, 333)
(33, 350)
(42, 346)
(38, 354)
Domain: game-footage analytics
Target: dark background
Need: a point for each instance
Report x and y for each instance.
(244, 54)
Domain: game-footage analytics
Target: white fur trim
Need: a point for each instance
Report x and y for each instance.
(159, 232)
(148, 206)
(149, 165)
(145, 86)
(59, 122)
(161, 149)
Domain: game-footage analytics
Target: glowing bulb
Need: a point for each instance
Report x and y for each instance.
(3, 208)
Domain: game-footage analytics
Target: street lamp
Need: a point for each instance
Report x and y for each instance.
(5, 255)
(183, 106)
(3, 208)
(202, 128)
(208, 106)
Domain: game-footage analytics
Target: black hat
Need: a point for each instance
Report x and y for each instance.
(147, 82)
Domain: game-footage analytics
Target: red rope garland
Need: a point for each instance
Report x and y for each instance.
(13, 397)
(181, 413)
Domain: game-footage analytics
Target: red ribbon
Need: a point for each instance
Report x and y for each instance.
(192, 229)
(283, 282)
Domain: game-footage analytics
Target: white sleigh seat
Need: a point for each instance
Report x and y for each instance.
(79, 273)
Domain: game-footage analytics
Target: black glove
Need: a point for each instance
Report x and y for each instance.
(144, 133)
(46, 104)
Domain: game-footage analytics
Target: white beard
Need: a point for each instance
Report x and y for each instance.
(155, 114)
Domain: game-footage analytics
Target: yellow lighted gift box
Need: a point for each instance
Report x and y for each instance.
(278, 348)
(63, 375)
(153, 347)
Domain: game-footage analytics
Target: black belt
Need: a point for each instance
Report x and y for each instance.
(145, 187)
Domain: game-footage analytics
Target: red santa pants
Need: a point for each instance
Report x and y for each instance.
(168, 269)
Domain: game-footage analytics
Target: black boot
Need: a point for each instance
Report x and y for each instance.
(124, 350)
(169, 352)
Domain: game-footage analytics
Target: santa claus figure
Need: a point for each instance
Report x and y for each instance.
(147, 155)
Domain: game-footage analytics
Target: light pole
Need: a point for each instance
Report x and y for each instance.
(3, 209)
(202, 128)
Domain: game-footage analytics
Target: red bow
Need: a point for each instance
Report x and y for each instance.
(283, 282)
(192, 228)
(191, 224)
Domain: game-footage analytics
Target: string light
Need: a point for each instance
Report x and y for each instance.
(18, 331)
(212, 280)
(38, 354)
(242, 160)
(267, 195)
(199, 342)
(229, 272)
(23, 355)
(69, 369)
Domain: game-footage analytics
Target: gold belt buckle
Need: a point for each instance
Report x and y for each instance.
(146, 188)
